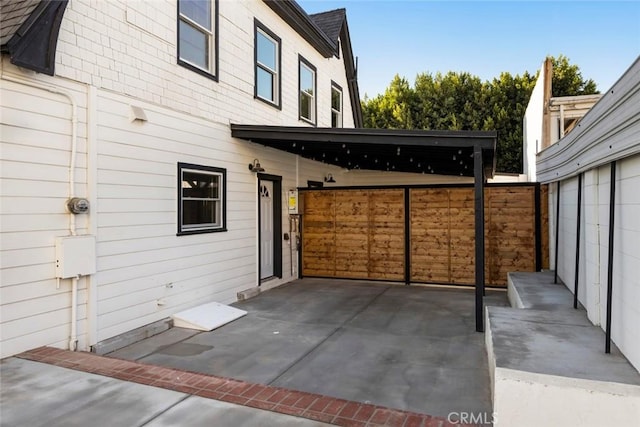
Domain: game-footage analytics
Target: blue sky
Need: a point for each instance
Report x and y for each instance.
(485, 38)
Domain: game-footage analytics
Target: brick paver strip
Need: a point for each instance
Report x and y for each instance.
(276, 399)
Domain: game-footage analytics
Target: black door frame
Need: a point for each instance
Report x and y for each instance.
(277, 225)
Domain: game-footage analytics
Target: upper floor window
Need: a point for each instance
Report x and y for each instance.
(307, 79)
(197, 36)
(336, 105)
(201, 199)
(267, 65)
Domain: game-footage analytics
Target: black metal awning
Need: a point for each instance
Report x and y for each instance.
(417, 151)
(461, 153)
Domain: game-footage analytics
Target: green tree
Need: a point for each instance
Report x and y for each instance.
(567, 79)
(392, 110)
(461, 101)
(507, 100)
(454, 101)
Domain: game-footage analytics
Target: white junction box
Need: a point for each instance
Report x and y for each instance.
(75, 256)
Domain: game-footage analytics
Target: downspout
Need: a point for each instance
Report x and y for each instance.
(555, 266)
(73, 341)
(578, 220)
(561, 121)
(612, 211)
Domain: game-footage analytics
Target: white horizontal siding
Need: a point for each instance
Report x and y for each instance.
(112, 55)
(146, 272)
(130, 48)
(609, 131)
(35, 138)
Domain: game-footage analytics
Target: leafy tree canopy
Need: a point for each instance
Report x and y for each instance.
(461, 101)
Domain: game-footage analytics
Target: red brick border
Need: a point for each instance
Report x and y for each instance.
(307, 405)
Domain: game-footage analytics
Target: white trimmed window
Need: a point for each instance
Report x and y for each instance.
(201, 199)
(336, 105)
(267, 65)
(307, 83)
(197, 35)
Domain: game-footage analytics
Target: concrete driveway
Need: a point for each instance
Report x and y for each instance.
(407, 347)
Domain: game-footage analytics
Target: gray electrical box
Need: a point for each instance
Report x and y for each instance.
(75, 256)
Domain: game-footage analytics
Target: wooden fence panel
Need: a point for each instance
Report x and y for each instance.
(430, 235)
(319, 238)
(352, 228)
(510, 240)
(361, 233)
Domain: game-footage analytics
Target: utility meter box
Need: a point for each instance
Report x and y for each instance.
(75, 256)
(292, 199)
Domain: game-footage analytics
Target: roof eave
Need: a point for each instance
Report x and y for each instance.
(342, 141)
(33, 46)
(300, 21)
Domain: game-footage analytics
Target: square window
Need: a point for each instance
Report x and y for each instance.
(267, 65)
(307, 94)
(197, 36)
(201, 199)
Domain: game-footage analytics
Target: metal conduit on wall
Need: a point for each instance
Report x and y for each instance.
(578, 215)
(612, 210)
(555, 274)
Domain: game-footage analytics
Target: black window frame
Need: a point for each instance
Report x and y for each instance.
(259, 26)
(223, 198)
(211, 73)
(314, 120)
(336, 86)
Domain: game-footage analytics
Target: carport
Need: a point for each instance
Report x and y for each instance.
(455, 153)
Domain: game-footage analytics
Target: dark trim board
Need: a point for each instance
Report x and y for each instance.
(416, 151)
(538, 225)
(277, 224)
(407, 236)
(417, 186)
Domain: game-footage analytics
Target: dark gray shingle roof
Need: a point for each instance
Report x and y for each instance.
(13, 13)
(330, 22)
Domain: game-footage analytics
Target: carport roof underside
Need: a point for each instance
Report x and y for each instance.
(417, 151)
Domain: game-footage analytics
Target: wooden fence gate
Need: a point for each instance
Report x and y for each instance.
(423, 234)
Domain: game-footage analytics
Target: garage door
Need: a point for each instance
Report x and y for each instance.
(422, 235)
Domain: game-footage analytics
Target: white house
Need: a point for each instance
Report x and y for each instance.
(152, 150)
(128, 117)
(594, 176)
(549, 118)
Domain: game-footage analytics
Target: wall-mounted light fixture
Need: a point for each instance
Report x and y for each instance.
(329, 178)
(255, 166)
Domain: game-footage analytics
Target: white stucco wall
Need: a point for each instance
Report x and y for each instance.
(532, 127)
(112, 55)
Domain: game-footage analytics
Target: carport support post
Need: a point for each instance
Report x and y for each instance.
(478, 171)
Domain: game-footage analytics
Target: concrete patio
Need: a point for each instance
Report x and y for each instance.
(407, 347)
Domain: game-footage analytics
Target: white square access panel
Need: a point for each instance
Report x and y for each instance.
(75, 256)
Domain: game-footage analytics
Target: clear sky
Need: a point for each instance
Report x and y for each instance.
(485, 38)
